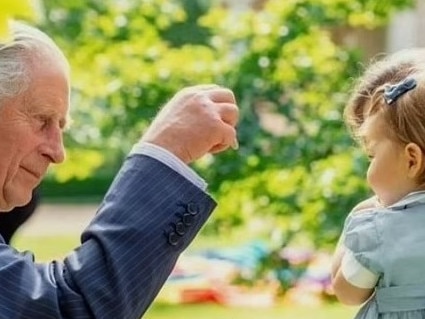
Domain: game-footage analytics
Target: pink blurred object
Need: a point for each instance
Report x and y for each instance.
(237, 296)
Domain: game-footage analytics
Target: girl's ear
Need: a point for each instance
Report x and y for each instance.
(415, 160)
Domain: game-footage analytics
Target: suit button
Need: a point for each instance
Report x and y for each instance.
(192, 208)
(188, 219)
(173, 238)
(180, 228)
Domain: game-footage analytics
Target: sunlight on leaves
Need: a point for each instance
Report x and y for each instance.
(20, 9)
(80, 164)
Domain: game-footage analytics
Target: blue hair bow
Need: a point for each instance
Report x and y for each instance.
(394, 91)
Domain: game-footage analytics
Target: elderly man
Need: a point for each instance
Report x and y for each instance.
(152, 211)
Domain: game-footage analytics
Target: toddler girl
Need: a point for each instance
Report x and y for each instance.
(380, 258)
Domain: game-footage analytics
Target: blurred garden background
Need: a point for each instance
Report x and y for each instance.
(284, 194)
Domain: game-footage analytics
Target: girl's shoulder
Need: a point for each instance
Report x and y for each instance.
(411, 208)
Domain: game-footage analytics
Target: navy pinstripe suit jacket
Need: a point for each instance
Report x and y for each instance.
(148, 217)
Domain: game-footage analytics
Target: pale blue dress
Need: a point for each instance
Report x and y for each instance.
(390, 242)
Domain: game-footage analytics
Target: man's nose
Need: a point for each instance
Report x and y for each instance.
(53, 147)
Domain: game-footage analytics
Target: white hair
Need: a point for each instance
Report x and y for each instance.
(26, 45)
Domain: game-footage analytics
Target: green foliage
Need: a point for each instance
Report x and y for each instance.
(309, 198)
(11, 9)
(80, 164)
(296, 170)
(123, 69)
(75, 190)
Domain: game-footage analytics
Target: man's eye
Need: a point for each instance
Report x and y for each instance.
(42, 121)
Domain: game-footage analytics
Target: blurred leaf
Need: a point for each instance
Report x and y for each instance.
(80, 164)
(10, 9)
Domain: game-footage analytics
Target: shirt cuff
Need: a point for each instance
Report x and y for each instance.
(169, 159)
(355, 273)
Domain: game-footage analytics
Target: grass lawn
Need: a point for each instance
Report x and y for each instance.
(205, 311)
(47, 248)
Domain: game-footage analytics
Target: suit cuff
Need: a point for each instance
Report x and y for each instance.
(169, 159)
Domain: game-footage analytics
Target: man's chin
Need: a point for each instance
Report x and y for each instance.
(8, 204)
(5, 208)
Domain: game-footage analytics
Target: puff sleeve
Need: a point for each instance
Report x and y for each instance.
(362, 241)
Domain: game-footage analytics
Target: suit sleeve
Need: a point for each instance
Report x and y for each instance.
(148, 217)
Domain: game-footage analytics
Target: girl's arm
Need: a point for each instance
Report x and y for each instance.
(362, 281)
(346, 292)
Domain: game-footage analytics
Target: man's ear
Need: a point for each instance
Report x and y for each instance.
(415, 160)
